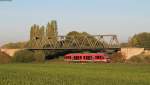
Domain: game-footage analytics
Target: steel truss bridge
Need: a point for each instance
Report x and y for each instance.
(91, 42)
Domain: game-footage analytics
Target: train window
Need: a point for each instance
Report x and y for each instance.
(80, 57)
(100, 57)
(88, 57)
(69, 57)
(97, 57)
(83, 57)
(76, 57)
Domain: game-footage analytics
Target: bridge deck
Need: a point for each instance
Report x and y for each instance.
(117, 49)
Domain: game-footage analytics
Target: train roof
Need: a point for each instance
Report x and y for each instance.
(85, 54)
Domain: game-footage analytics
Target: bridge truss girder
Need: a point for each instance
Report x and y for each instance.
(75, 42)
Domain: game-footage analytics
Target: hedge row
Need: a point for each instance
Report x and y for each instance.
(26, 56)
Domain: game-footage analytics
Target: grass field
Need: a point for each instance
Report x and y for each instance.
(74, 74)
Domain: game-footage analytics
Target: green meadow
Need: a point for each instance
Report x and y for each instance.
(74, 74)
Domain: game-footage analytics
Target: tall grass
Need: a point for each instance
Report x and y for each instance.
(74, 74)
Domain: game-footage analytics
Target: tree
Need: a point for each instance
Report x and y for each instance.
(17, 45)
(39, 56)
(124, 44)
(141, 40)
(83, 39)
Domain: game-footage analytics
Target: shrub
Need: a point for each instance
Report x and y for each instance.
(4, 58)
(24, 56)
(39, 56)
(117, 58)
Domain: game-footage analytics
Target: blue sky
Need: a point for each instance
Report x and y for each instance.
(121, 17)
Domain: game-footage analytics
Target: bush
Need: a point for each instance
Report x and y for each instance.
(117, 58)
(139, 59)
(24, 56)
(39, 56)
(4, 58)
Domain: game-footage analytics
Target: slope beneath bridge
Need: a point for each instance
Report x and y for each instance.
(130, 52)
(10, 52)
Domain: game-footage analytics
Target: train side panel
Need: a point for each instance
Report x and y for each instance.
(94, 57)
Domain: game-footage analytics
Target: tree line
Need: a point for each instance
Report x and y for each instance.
(141, 40)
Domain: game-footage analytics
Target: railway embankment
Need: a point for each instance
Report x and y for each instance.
(10, 52)
(130, 52)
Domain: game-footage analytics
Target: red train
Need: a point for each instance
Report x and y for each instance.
(87, 57)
